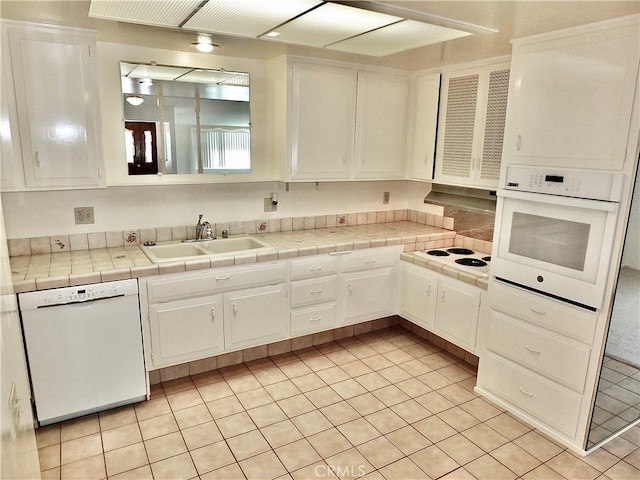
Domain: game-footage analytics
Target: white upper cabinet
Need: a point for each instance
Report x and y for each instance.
(381, 125)
(345, 123)
(54, 87)
(572, 96)
(322, 128)
(426, 93)
(471, 127)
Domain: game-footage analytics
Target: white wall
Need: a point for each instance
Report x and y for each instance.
(32, 214)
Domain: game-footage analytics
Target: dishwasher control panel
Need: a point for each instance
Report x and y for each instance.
(84, 293)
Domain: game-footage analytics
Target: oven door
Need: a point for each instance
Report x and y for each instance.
(555, 245)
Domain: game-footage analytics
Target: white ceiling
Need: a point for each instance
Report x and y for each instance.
(512, 19)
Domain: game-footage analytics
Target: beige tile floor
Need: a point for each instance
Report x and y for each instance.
(384, 405)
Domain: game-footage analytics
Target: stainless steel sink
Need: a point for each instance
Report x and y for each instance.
(176, 251)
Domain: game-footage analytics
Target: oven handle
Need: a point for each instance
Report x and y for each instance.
(585, 203)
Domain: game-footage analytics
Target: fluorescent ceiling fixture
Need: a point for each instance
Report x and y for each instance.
(331, 23)
(164, 13)
(217, 77)
(246, 18)
(405, 35)
(156, 72)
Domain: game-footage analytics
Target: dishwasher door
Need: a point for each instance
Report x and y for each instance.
(84, 349)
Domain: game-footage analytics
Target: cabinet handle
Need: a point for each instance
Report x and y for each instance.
(538, 312)
(37, 159)
(426, 159)
(442, 295)
(532, 350)
(213, 315)
(315, 269)
(519, 142)
(522, 390)
(370, 261)
(429, 291)
(235, 310)
(350, 289)
(319, 290)
(223, 277)
(344, 160)
(315, 319)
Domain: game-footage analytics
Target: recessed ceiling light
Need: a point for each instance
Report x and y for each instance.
(272, 34)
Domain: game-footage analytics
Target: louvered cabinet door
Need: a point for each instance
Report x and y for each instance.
(471, 128)
(489, 162)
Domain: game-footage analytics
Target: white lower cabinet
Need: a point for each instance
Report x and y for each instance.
(255, 316)
(535, 358)
(367, 295)
(186, 330)
(443, 305)
(457, 310)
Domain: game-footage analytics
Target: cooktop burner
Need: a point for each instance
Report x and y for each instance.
(487, 259)
(460, 251)
(437, 253)
(471, 262)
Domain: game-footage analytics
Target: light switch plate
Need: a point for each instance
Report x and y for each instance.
(385, 198)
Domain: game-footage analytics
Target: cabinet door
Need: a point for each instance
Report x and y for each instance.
(426, 95)
(322, 121)
(572, 98)
(367, 295)
(419, 290)
(471, 129)
(186, 330)
(457, 311)
(255, 316)
(11, 176)
(55, 83)
(381, 125)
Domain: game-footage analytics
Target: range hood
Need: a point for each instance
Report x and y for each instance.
(462, 198)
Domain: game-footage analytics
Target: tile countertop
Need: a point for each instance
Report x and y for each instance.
(63, 269)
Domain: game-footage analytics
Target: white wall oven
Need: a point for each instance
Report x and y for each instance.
(554, 232)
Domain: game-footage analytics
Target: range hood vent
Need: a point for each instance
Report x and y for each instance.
(462, 198)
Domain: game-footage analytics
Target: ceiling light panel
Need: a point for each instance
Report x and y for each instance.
(157, 72)
(164, 13)
(246, 18)
(330, 23)
(396, 38)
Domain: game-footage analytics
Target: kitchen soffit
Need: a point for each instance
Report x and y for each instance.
(353, 28)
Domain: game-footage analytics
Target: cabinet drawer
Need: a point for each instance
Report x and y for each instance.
(187, 286)
(551, 355)
(314, 319)
(309, 292)
(548, 401)
(370, 258)
(565, 319)
(313, 267)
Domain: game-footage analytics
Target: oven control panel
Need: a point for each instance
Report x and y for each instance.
(565, 182)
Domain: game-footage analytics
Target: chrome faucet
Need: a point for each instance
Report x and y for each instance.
(203, 230)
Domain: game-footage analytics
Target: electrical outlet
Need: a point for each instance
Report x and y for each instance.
(269, 206)
(83, 215)
(385, 198)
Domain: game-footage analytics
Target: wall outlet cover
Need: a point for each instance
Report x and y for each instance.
(83, 215)
(269, 206)
(385, 198)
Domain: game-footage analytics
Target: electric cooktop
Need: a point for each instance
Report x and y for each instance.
(463, 259)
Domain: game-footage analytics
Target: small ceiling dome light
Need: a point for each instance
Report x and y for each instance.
(135, 100)
(204, 43)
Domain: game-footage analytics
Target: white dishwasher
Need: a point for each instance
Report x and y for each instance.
(84, 348)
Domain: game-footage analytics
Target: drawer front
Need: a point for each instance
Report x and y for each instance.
(219, 280)
(548, 401)
(551, 355)
(310, 292)
(370, 258)
(314, 267)
(559, 317)
(314, 319)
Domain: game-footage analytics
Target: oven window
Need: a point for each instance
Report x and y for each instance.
(550, 240)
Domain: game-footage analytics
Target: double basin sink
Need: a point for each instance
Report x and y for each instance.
(177, 251)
